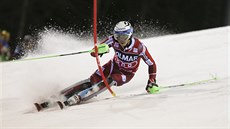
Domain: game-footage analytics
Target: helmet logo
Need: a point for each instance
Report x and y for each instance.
(127, 23)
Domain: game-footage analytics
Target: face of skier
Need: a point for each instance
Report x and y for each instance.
(122, 39)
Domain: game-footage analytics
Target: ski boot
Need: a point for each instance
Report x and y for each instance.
(73, 100)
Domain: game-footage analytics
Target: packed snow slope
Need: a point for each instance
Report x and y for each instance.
(180, 58)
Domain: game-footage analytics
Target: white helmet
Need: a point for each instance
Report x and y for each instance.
(123, 29)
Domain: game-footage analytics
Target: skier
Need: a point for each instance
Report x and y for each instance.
(119, 70)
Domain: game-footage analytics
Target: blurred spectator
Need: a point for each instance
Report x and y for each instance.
(4, 45)
(23, 48)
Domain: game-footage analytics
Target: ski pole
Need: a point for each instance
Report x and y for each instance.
(102, 48)
(51, 56)
(191, 83)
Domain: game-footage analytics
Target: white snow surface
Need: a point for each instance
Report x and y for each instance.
(180, 58)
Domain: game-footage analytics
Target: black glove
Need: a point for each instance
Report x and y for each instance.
(150, 84)
(93, 54)
(101, 54)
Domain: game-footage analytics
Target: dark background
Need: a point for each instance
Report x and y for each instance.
(22, 17)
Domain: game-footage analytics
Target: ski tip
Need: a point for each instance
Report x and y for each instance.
(38, 107)
(60, 105)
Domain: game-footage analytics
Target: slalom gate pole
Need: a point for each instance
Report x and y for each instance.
(191, 83)
(96, 48)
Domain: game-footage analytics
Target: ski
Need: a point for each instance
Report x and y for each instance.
(96, 89)
(47, 105)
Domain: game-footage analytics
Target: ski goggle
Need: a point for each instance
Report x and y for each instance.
(122, 35)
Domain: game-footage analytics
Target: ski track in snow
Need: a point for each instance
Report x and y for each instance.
(180, 58)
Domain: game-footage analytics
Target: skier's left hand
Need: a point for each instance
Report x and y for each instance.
(152, 87)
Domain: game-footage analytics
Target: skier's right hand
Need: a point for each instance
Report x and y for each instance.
(102, 49)
(93, 54)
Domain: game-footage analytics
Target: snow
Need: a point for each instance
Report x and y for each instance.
(180, 58)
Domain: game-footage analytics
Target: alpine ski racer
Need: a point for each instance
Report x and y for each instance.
(118, 71)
